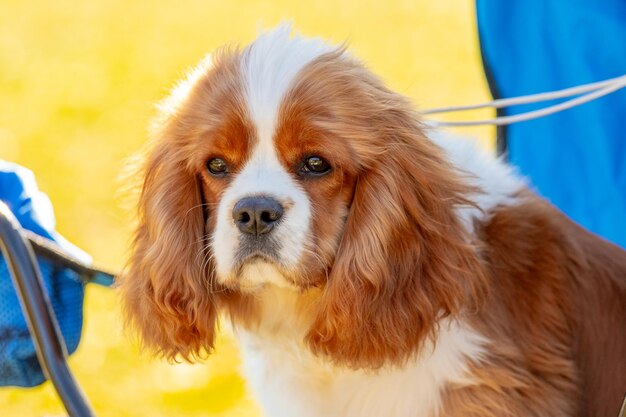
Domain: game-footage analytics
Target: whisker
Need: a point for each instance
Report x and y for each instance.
(210, 205)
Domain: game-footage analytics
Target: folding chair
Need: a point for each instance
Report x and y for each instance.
(21, 249)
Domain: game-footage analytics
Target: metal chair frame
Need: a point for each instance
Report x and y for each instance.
(19, 248)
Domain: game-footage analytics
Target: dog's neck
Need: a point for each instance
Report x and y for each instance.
(279, 365)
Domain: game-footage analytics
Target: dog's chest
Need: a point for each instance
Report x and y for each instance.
(290, 382)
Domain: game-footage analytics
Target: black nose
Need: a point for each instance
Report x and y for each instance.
(257, 215)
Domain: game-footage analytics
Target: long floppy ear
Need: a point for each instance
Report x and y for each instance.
(165, 286)
(405, 260)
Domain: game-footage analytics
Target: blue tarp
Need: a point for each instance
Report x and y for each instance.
(577, 158)
(32, 208)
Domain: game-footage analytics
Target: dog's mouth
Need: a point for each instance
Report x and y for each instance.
(257, 269)
(253, 258)
(257, 250)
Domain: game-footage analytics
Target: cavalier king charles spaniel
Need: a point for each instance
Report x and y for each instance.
(369, 265)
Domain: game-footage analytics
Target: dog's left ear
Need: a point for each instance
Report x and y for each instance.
(405, 260)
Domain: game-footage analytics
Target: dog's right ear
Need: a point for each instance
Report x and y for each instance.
(165, 287)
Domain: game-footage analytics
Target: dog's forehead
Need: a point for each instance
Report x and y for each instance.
(269, 67)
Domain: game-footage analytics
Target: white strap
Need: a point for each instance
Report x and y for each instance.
(593, 90)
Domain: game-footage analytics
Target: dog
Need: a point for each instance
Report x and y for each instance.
(369, 265)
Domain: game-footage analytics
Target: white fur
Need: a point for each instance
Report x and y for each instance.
(269, 67)
(498, 181)
(290, 382)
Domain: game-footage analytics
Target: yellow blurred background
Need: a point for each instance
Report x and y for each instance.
(78, 80)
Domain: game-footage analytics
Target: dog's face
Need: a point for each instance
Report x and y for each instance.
(276, 179)
(278, 182)
(288, 164)
(280, 207)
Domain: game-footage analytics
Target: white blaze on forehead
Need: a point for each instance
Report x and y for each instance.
(269, 66)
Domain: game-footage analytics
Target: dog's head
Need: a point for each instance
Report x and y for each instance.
(289, 164)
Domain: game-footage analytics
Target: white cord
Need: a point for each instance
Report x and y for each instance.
(532, 98)
(594, 90)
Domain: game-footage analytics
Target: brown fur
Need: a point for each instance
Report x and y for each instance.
(554, 318)
(387, 254)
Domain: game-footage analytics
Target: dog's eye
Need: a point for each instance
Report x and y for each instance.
(314, 165)
(217, 167)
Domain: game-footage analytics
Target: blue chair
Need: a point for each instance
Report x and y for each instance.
(45, 275)
(576, 158)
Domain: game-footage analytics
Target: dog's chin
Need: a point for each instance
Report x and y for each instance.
(257, 273)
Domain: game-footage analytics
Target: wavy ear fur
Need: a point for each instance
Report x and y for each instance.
(405, 260)
(165, 287)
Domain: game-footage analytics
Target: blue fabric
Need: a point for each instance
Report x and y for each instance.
(577, 158)
(32, 208)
